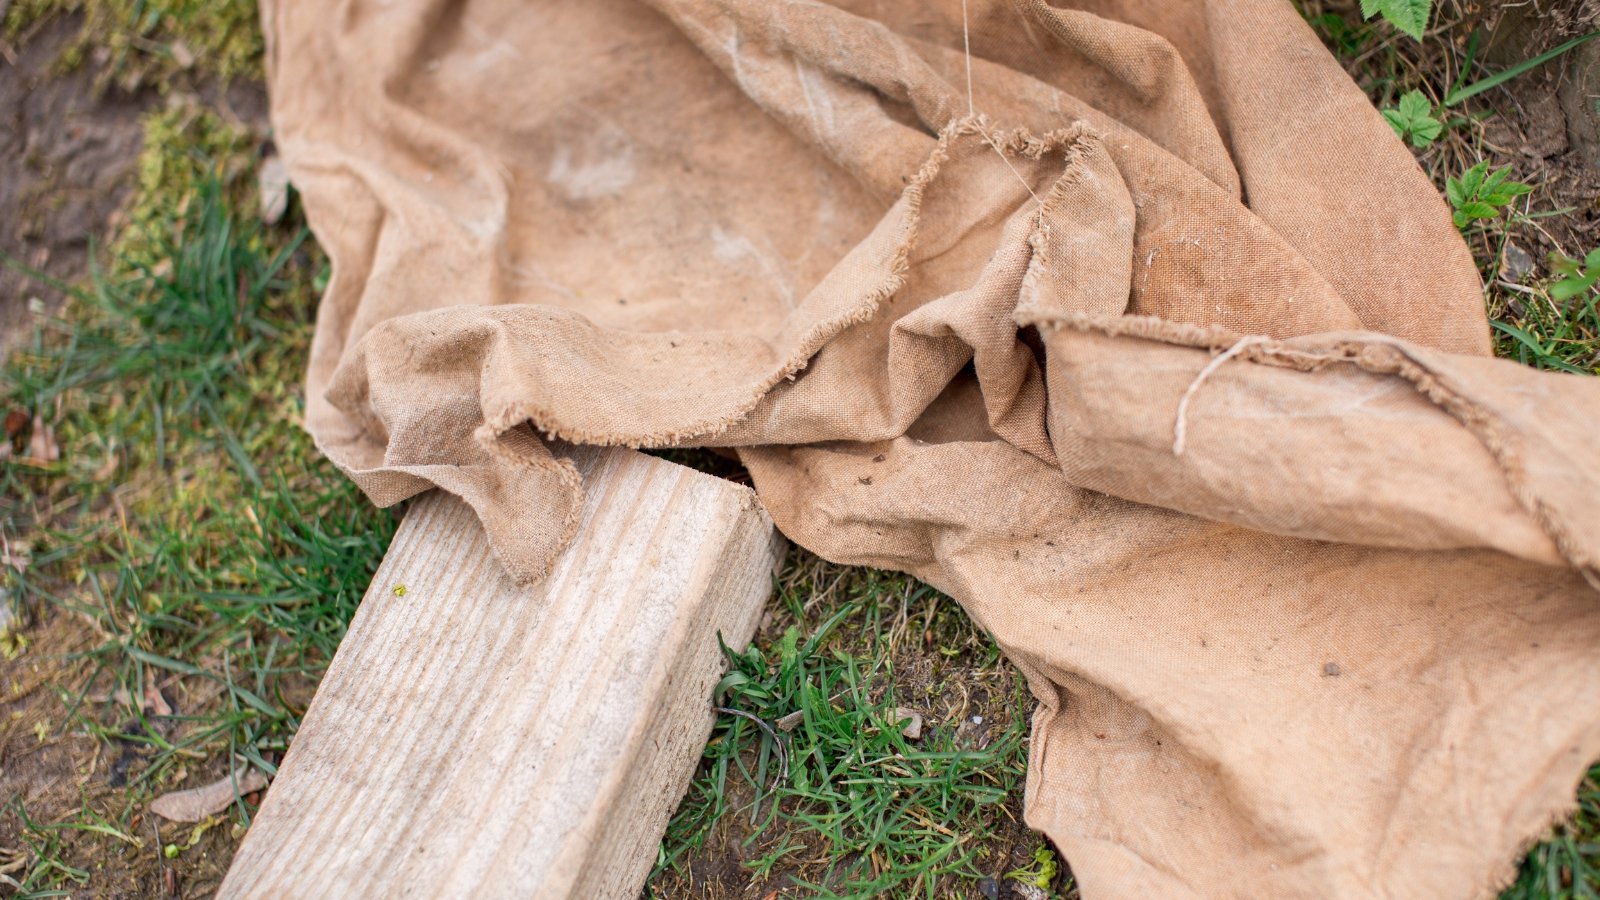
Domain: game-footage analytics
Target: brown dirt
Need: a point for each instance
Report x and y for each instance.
(1547, 123)
(69, 142)
(39, 765)
(66, 154)
(53, 767)
(69, 145)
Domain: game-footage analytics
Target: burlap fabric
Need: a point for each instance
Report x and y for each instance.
(1155, 349)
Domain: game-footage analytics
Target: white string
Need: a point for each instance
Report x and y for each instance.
(972, 112)
(1180, 428)
(966, 47)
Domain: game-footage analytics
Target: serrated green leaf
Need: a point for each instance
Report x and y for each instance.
(1397, 122)
(1411, 119)
(1455, 192)
(1426, 132)
(1414, 106)
(1567, 266)
(1410, 16)
(1477, 209)
(1566, 290)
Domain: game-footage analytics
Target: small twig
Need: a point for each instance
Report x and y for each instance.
(1519, 288)
(783, 750)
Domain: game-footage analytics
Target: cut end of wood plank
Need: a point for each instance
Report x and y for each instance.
(476, 738)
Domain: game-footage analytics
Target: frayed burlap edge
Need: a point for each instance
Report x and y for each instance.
(1016, 142)
(1376, 354)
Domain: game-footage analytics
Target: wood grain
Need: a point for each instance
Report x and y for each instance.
(474, 738)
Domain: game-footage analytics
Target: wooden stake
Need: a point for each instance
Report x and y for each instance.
(477, 739)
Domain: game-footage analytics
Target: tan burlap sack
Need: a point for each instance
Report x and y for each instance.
(1154, 348)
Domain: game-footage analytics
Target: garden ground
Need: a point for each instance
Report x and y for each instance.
(177, 563)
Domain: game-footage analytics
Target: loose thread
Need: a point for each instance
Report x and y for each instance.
(966, 48)
(1180, 428)
(972, 112)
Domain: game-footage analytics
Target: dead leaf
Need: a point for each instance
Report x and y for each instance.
(182, 55)
(155, 703)
(16, 421)
(272, 180)
(107, 468)
(17, 555)
(196, 804)
(912, 727)
(42, 447)
(12, 860)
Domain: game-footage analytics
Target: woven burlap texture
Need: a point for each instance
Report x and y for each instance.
(1136, 330)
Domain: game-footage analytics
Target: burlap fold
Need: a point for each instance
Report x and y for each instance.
(1161, 354)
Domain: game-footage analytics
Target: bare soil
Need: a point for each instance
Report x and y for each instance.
(66, 156)
(69, 142)
(69, 145)
(52, 768)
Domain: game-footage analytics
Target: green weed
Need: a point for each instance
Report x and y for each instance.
(1410, 16)
(1041, 871)
(1412, 119)
(1480, 194)
(1554, 328)
(1577, 278)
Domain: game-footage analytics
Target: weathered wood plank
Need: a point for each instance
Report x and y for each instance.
(473, 738)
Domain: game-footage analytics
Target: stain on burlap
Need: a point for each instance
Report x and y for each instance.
(951, 334)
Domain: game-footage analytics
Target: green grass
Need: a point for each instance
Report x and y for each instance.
(189, 520)
(1567, 865)
(809, 773)
(191, 524)
(1538, 326)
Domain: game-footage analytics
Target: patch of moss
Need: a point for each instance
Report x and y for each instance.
(185, 146)
(187, 513)
(146, 43)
